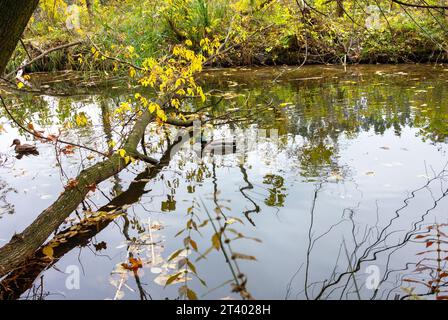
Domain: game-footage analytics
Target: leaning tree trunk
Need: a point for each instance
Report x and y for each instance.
(23, 245)
(14, 16)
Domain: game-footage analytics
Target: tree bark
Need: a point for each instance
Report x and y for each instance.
(14, 16)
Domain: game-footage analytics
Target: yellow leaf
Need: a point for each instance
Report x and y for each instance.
(20, 85)
(121, 152)
(216, 241)
(48, 251)
(191, 295)
(81, 119)
(175, 254)
(242, 256)
(153, 106)
(194, 245)
(172, 278)
(132, 72)
(161, 114)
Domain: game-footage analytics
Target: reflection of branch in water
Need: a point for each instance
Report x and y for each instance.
(310, 235)
(374, 248)
(239, 278)
(248, 187)
(22, 278)
(5, 206)
(143, 293)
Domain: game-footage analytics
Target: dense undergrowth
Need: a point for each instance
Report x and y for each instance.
(253, 32)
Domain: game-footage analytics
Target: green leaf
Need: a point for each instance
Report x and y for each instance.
(172, 278)
(191, 266)
(175, 254)
(179, 233)
(204, 254)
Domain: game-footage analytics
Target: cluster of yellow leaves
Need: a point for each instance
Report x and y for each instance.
(127, 158)
(81, 119)
(56, 9)
(210, 47)
(172, 77)
(124, 107)
(97, 55)
(152, 107)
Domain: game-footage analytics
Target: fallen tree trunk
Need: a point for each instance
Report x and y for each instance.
(21, 279)
(23, 245)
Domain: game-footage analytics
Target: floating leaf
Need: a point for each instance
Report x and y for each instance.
(133, 264)
(156, 270)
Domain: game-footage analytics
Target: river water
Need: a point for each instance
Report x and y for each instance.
(345, 170)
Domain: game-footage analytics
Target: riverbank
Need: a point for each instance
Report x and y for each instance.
(269, 34)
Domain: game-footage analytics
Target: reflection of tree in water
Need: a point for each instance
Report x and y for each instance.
(326, 111)
(5, 206)
(277, 191)
(379, 246)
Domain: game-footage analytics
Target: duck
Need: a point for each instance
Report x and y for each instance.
(24, 149)
(218, 146)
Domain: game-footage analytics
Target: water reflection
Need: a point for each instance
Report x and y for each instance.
(354, 173)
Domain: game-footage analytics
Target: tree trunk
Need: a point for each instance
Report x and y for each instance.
(340, 8)
(14, 16)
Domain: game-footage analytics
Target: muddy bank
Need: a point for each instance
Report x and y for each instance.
(249, 55)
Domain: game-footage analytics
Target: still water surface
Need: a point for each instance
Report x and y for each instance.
(347, 171)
